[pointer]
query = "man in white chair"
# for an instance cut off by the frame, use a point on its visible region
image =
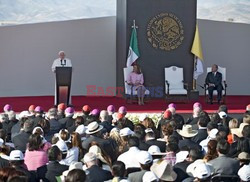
(214, 82)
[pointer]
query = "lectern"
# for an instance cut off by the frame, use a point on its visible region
(63, 84)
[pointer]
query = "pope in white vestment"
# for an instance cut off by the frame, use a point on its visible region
(62, 61)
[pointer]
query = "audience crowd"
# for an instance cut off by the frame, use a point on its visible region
(98, 146)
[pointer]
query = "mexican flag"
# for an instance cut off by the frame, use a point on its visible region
(133, 52)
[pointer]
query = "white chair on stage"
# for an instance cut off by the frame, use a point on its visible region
(174, 83)
(129, 92)
(222, 70)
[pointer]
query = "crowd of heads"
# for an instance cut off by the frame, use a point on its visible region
(102, 145)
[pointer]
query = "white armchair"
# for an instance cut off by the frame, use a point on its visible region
(222, 70)
(174, 82)
(129, 92)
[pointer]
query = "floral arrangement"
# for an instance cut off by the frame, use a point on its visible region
(134, 117)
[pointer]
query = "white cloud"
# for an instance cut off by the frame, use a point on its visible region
(31, 11)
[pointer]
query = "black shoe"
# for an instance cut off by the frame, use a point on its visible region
(211, 102)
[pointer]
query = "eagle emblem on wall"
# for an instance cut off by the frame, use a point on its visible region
(165, 31)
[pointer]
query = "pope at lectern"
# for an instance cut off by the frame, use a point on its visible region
(62, 61)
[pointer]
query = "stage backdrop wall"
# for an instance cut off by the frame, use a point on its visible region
(27, 52)
(227, 44)
(165, 35)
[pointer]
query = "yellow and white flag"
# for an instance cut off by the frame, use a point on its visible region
(198, 55)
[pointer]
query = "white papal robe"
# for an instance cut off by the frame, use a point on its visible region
(58, 63)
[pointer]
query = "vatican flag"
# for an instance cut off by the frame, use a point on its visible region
(197, 51)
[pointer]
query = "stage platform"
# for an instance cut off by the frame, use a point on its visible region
(236, 104)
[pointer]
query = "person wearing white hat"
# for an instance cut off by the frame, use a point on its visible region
(149, 177)
(155, 151)
(16, 155)
(200, 170)
(223, 113)
(184, 159)
(74, 165)
(244, 173)
(238, 131)
(16, 160)
(63, 148)
(142, 117)
(94, 172)
(24, 114)
(126, 132)
(81, 130)
(181, 156)
(146, 160)
(187, 133)
(211, 136)
(164, 171)
(95, 135)
(244, 158)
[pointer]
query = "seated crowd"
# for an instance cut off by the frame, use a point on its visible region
(97, 146)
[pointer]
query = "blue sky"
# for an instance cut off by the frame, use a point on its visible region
(32, 11)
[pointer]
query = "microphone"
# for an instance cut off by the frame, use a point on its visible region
(63, 64)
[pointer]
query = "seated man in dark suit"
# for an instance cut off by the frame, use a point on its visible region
(213, 80)
(53, 169)
(224, 165)
(202, 130)
(187, 134)
(20, 140)
(95, 135)
(151, 140)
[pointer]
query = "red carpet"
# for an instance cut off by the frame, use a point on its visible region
(236, 104)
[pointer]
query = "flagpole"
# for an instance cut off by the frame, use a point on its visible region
(194, 80)
(134, 26)
(133, 52)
